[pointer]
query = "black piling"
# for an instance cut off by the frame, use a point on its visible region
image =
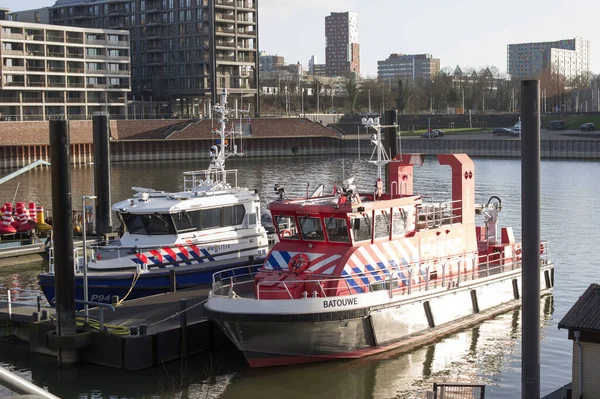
(530, 191)
(62, 226)
(102, 173)
(390, 136)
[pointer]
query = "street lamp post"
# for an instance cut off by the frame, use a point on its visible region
(369, 102)
(85, 262)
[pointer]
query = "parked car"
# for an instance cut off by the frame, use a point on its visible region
(516, 129)
(587, 127)
(502, 131)
(557, 125)
(432, 134)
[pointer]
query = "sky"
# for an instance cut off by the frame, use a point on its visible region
(469, 33)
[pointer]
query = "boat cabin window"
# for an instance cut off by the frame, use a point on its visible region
(399, 217)
(311, 228)
(150, 224)
(286, 226)
(185, 221)
(209, 218)
(361, 227)
(337, 231)
(382, 224)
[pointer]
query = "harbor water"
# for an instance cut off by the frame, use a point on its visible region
(488, 353)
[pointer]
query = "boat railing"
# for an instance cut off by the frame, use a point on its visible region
(78, 261)
(442, 273)
(195, 179)
(435, 214)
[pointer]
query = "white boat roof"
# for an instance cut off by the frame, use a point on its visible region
(164, 202)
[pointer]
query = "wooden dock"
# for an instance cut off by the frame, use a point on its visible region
(174, 325)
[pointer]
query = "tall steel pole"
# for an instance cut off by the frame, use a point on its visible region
(62, 226)
(530, 188)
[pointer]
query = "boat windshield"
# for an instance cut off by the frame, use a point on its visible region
(286, 226)
(337, 230)
(311, 228)
(150, 224)
(361, 227)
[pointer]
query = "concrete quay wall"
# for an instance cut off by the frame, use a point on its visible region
(16, 156)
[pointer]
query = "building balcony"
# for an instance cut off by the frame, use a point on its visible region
(96, 56)
(56, 69)
(14, 68)
(224, 4)
(13, 84)
(96, 72)
(96, 42)
(54, 100)
(36, 84)
(117, 57)
(244, 21)
(74, 40)
(75, 55)
(55, 39)
(120, 43)
(118, 72)
(56, 84)
(36, 68)
(12, 52)
(37, 38)
(223, 17)
(52, 54)
(246, 33)
(243, 5)
(15, 36)
(219, 31)
(97, 86)
(76, 85)
(75, 100)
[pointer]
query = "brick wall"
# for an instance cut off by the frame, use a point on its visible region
(36, 133)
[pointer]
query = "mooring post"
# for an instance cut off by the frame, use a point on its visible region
(390, 134)
(102, 173)
(62, 227)
(183, 327)
(530, 191)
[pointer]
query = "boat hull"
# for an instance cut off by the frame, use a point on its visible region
(103, 286)
(271, 339)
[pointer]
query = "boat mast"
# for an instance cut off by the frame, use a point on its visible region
(382, 157)
(218, 152)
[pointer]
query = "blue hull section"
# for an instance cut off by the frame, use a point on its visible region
(103, 286)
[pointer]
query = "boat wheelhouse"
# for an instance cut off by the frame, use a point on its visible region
(360, 272)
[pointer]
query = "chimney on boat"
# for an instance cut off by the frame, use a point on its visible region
(400, 172)
(463, 185)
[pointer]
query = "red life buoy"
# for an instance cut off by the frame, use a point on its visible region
(298, 263)
(542, 248)
(286, 233)
(518, 253)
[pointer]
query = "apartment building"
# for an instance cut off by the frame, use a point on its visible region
(408, 66)
(50, 71)
(342, 51)
(269, 62)
(183, 52)
(569, 57)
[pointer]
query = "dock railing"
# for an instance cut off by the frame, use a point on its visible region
(447, 272)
